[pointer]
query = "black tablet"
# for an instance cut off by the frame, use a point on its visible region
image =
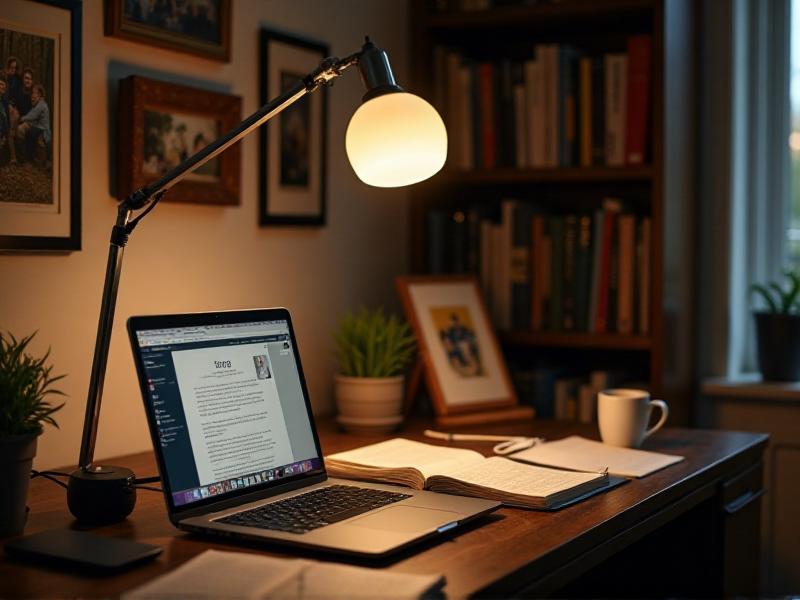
(81, 549)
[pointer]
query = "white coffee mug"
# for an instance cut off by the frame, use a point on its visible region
(623, 415)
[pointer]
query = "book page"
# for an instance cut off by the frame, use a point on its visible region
(400, 452)
(508, 476)
(580, 454)
(216, 574)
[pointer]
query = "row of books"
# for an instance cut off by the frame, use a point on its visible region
(560, 108)
(445, 6)
(555, 395)
(586, 272)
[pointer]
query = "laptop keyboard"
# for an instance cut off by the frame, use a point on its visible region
(323, 506)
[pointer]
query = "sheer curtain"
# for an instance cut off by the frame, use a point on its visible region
(744, 174)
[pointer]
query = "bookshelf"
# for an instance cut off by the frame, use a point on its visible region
(599, 341)
(658, 189)
(504, 175)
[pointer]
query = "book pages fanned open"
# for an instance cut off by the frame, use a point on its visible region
(238, 575)
(579, 454)
(462, 472)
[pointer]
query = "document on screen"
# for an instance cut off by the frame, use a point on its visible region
(235, 420)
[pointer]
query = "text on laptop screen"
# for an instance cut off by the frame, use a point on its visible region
(228, 406)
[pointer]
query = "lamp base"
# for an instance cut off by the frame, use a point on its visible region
(97, 495)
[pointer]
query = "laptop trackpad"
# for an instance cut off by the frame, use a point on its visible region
(406, 519)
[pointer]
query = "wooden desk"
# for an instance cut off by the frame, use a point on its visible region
(666, 534)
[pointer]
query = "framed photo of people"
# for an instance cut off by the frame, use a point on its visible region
(40, 125)
(292, 169)
(463, 366)
(200, 27)
(161, 125)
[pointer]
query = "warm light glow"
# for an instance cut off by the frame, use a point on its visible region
(794, 141)
(396, 139)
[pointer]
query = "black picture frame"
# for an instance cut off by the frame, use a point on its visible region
(72, 240)
(283, 178)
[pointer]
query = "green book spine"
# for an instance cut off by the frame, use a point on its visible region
(557, 273)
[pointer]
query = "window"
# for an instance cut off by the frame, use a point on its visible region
(793, 229)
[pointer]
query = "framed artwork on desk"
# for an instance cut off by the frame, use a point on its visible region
(463, 366)
(40, 125)
(292, 162)
(199, 27)
(161, 124)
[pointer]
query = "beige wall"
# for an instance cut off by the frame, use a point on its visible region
(191, 258)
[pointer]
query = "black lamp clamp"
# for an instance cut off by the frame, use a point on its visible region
(103, 493)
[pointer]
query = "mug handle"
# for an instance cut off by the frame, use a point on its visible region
(664, 414)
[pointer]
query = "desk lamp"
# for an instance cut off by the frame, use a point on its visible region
(393, 139)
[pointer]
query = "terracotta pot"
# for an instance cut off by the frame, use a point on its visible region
(16, 460)
(369, 404)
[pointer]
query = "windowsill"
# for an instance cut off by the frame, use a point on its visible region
(750, 385)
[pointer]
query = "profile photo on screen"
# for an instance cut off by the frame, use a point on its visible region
(262, 367)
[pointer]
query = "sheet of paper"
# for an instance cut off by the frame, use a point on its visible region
(399, 452)
(239, 575)
(325, 580)
(513, 477)
(580, 454)
(216, 574)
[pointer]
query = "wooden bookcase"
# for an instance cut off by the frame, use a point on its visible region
(664, 184)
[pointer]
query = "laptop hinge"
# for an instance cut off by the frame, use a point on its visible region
(253, 497)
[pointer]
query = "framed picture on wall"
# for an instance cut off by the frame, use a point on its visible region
(161, 124)
(464, 368)
(40, 125)
(292, 169)
(200, 27)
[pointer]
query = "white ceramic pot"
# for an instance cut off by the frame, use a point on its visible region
(369, 404)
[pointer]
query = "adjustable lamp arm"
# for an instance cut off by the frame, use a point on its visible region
(150, 194)
(398, 140)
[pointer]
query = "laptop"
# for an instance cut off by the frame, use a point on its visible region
(237, 448)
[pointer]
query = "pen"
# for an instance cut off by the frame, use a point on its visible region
(507, 443)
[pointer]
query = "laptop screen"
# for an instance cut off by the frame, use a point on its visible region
(227, 406)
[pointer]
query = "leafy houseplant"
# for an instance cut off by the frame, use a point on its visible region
(25, 385)
(778, 329)
(373, 351)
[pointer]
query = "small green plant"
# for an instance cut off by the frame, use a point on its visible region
(370, 344)
(25, 383)
(777, 299)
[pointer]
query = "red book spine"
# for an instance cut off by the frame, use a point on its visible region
(639, 65)
(601, 322)
(488, 133)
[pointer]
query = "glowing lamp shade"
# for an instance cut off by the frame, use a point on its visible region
(396, 139)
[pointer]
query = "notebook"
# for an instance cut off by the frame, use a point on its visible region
(216, 574)
(465, 472)
(579, 454)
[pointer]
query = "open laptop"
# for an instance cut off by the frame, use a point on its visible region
(238, 451)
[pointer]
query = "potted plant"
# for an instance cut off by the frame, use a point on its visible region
(373, 351)
(25, 384)
(778, 329)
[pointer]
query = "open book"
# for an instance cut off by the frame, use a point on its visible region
(463, 472)
(216, 574)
